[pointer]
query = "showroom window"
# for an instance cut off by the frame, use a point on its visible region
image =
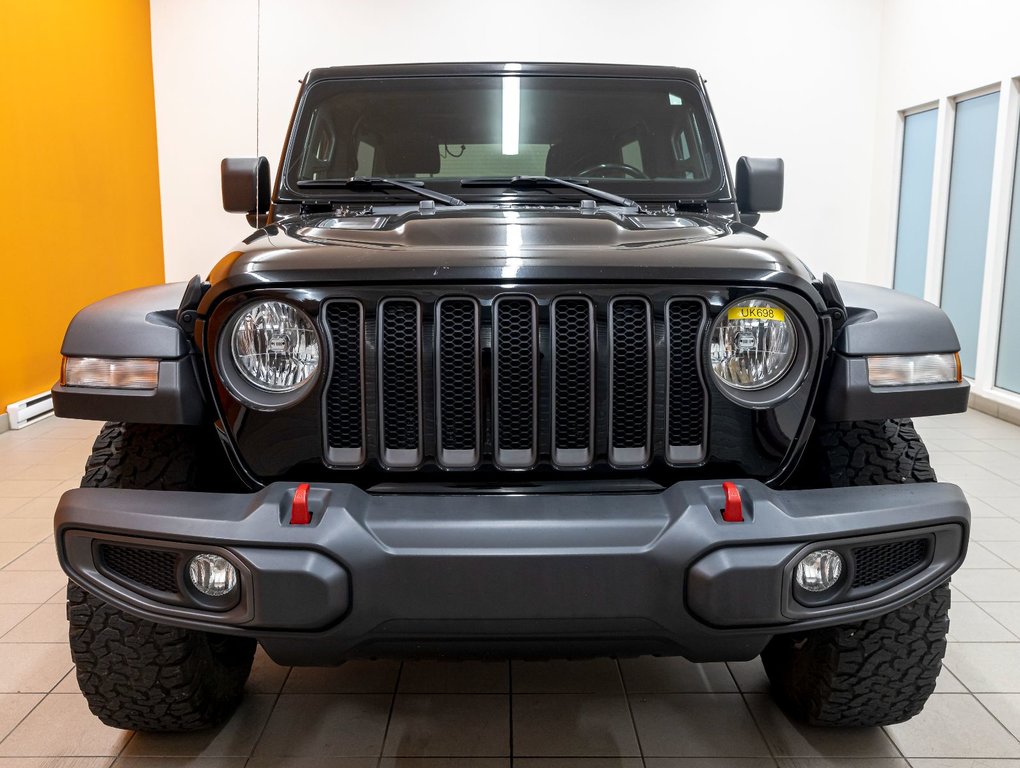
(918, 168)
(1007, 372)
(970, 189)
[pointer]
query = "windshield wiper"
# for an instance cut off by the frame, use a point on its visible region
(548, 181)
(417, 187)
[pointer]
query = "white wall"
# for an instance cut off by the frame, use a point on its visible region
(931, 49)
(932, 52)
(794, 78)
(204, 58)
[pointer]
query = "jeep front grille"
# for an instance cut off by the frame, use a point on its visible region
(515, 381)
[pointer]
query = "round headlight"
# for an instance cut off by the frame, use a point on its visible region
(754, 343)
(275, 346)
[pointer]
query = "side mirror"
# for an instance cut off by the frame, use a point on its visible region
(759, 184)
(246, 186)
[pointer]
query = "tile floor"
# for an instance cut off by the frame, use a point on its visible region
(658, 713)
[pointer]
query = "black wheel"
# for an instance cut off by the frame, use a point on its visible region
(136, 674)
(880, 671)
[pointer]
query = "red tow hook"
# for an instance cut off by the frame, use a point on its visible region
(299, 514)
(734, 510)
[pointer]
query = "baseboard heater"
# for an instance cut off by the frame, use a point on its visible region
(29, 411)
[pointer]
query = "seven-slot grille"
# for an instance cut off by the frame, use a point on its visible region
(515, 382)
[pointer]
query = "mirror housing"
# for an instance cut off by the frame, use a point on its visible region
(759, 184)
(246, 186)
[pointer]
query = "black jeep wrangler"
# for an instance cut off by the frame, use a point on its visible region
(507, 369)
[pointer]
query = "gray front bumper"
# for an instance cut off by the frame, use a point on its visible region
(549, 574)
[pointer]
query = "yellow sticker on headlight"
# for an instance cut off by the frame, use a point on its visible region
(756, 313)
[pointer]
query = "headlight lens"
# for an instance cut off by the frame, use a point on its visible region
(754, 343)
(275, 346)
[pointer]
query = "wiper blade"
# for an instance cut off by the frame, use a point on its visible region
(548, 181)
(417, 187)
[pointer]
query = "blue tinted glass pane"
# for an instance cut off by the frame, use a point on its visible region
(970, 193)
(1007, 372)
(915, 201)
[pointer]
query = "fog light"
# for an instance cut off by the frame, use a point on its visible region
(819, 570)
(212, 575)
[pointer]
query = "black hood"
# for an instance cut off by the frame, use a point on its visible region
(461, 245)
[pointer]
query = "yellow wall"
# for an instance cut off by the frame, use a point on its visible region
(79, 185)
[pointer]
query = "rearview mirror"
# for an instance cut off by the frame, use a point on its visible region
(759, 184)
(246, 186)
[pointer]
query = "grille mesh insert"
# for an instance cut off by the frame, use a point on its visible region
(344, 397)
(879, 562)
(686, 397)
(515, 381)
(153, 568)
(399, 353)
(631, 359)
(457, 336)
(573, 364)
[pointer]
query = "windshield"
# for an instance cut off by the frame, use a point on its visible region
(644, 139)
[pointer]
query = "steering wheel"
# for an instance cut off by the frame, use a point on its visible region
(628, 170)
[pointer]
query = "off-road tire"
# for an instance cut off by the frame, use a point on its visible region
(877, 672)
(845, 454)
(151, 677)
(156, 457)
(880, 671)
(136, 674)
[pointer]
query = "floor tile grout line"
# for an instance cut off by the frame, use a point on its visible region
(30, 614)
(758, 727)
(630, 710)
(992, 714)
(389, 716)
(41, 700)
(30, 711)
(265, 725)
(510, 705)
(981, 608)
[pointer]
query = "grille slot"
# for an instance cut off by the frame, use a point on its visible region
(515, 379)
(345, 433)
(630, 382)
(458, 382)
(152, 568)
(573, 381)
(685, 397)
(400, 382)
(879, 562)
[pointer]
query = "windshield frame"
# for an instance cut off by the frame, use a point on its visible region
(288, 189)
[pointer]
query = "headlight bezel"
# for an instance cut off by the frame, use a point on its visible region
(240, 384)
(783, 387)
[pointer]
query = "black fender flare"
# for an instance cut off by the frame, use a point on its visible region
(136, 323)
(882, 321)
